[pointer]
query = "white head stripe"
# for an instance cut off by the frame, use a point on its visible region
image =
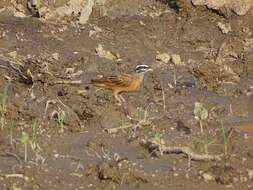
(141, 66)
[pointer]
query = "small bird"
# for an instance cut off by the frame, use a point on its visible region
(123, 82)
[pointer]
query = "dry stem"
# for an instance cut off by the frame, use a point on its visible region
(68, 82)
(151, 146)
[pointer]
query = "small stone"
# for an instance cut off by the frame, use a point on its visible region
(250, 173)
(86, 11)
(225, 28)
(176, 60)
(13, 54)
(164, 57)
(207, 177)
(19, 14)
(56, 56)
(142, 23)
(69, 70)
(104, 53)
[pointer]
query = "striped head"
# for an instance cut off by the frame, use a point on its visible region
(142, 69)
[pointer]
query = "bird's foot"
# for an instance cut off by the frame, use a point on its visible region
(121, 98)
(119, 103)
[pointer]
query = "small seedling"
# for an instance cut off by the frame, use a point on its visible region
(3, 104)
(34, 143)
(12, 126)
(175, 75)
(61, 118)
(144, 119)
(226, 135)
(202, 144)
(3, 101)
(157, 138)
(25, 140)
(200, 113)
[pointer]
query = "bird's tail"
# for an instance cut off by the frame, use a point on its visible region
(97, 82)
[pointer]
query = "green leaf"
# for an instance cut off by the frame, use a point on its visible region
(61, 117)
(25, 138)
(157, 137)
(200, 111)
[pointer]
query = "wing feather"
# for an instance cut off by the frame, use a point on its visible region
(123, 80)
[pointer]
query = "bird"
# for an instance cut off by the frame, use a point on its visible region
(123, 82)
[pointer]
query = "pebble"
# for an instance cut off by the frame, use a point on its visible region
(164, 57)
(13, 54)
(56, 56)
(250, 173)
(207, 177)
(176, 59)
(224, 27)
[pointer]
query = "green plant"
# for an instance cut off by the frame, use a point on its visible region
(61, 118)
(12, 126)
(175, 75)
(3, 101)
(157, 139)
(200, 113)
(144, 118)
(25, 140)
(3, 104)
(202, 144)
(226, 136)
(34, 143)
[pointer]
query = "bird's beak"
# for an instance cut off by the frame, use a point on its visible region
(150, 69)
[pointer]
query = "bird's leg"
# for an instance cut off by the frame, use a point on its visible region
(117, 97)
(121, 98)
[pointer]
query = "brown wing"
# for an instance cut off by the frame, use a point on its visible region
(123, 80)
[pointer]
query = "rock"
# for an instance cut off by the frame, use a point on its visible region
(207, 177)
(19, 14)
(225, 28)
(164, 57)
(18, 10)
(56, 56)
(82, 93)
(95, 31)
(86, 11)
(104, 53)
(239, 7)
(34, 3)
(250, 173)
(248, 44)
(176, 60)
(80, 8)
(69, 70)
(13, 54)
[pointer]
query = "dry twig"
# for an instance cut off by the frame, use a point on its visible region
(152, 146)
(17, 68)
(15, 175)
(67, 82)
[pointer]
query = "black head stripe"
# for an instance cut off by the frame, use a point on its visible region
(141, 68)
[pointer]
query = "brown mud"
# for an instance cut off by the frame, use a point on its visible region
(74, 147)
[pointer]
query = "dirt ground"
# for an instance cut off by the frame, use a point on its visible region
(79, 138)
